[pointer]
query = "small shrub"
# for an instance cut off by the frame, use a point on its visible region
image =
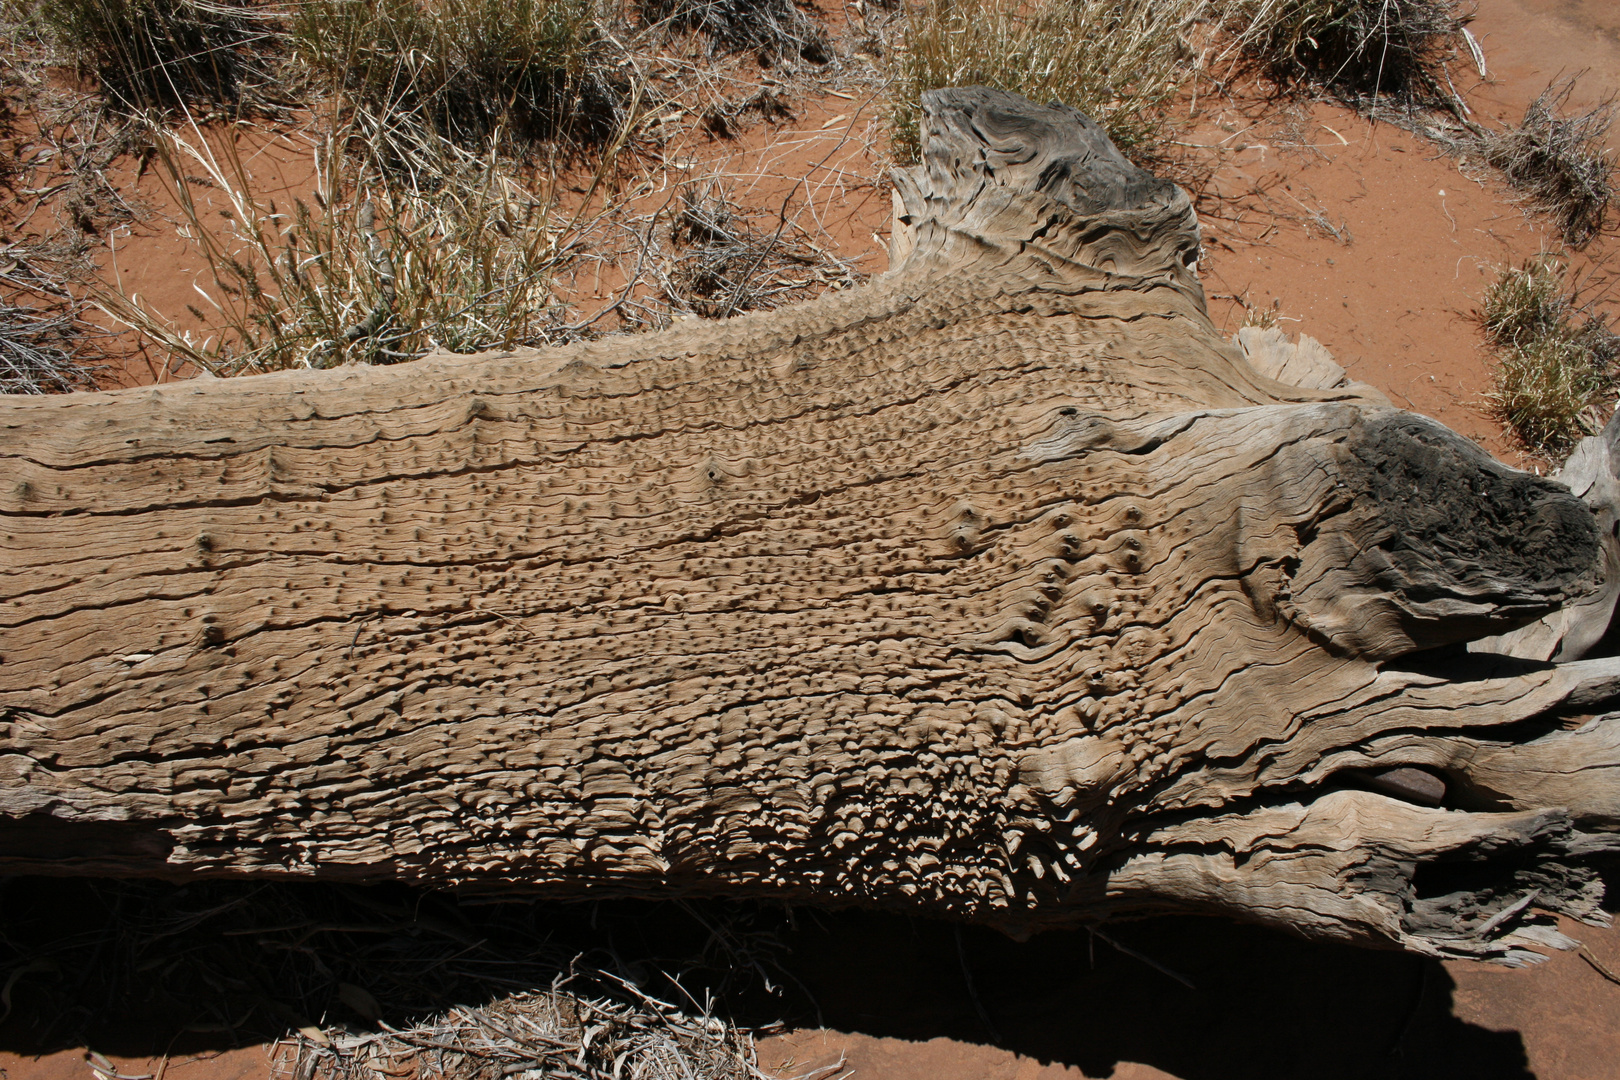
(150, 53)
(1356, 48)
(1555, 375)
(1561, 161)
(468, 70)
(1118, 61)
(775, 29)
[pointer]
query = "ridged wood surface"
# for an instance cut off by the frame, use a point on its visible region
(1002, 588)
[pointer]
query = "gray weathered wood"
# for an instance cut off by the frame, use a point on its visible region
(1003, 588)
(1572, 632)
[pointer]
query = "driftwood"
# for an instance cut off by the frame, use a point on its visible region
(1003, 589)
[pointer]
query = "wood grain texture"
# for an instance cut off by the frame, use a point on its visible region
(1581, 628)
(1003, 588)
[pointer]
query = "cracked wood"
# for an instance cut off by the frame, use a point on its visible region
(1003, 588)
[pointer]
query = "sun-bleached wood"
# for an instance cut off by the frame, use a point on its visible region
(1003, 588)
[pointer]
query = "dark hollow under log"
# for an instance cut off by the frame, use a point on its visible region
(1003, 588)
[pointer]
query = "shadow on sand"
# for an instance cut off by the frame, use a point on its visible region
(1263, 1005)
(128, 968)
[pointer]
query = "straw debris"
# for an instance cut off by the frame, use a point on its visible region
(587, 1024)
(722, 265)
(44, 351)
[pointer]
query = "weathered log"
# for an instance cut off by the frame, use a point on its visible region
(1003, 588)
(1575, 630)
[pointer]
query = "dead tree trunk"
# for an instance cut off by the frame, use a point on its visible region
(1003, 588)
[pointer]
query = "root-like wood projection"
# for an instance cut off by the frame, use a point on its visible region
(1004, 588)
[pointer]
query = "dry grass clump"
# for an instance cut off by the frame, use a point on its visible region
(1354, 48)
(1556, 376)
(468, 70)
(149, 53)
(374, 268)
(375, 271)
(43, 351)
(1562, 161)
(1118, 61)
(1543, 390)
(422, 237)
(1526, 303)
(442, 130)
(776, 30)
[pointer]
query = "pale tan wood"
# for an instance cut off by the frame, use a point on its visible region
(1305, 362)
(1004, 588)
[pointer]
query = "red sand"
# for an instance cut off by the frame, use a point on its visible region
(1424, 233)
(151, 260)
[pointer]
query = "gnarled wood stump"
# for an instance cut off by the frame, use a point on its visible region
(1003, 588)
